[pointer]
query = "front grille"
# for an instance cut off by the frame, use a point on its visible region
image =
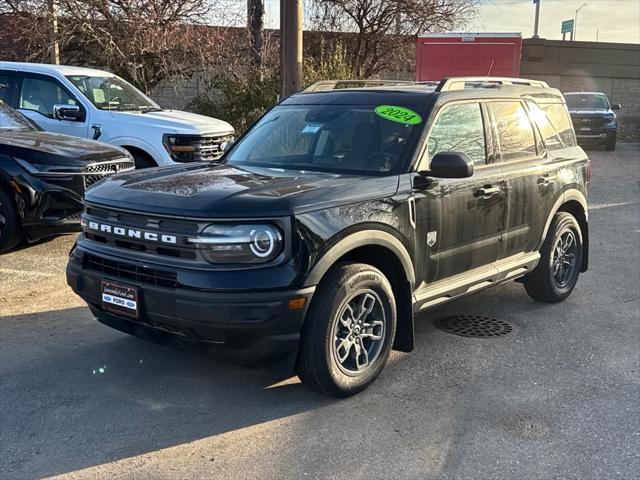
(588, 122)
(209, 148)
(129, 271)
(97, 171)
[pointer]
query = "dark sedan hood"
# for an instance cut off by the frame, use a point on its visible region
(202, 191)
(55, 149)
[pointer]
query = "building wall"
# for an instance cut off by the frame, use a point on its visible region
(611, 68)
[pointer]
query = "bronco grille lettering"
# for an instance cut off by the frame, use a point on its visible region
(132, 233)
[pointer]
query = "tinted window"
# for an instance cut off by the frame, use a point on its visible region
(561, 120)
(515, 132)
(40, 95)
(587, 101)
(551, 137)
(459, 128)
(5, 89)
(333, 138)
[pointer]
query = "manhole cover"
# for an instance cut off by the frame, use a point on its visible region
(473, 326)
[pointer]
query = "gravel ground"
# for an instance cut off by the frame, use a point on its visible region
(559, 398)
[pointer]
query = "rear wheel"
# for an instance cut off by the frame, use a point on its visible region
(10, 231)
(349, 330)
(556, 275)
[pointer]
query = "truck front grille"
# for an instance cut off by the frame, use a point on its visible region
(97, 171)
(129, 271)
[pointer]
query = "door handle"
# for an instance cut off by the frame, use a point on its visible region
(545, 180)
(488, 191)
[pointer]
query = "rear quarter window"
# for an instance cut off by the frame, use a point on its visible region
(561, 121)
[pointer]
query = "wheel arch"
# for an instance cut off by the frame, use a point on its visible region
(574, 202)
(385, 252)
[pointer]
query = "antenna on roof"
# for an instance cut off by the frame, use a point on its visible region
(491, 67)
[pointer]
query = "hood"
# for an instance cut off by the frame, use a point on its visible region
(223, 191)
(177, 121)
(55, 149)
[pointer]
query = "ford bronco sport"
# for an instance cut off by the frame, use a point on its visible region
(338, 217)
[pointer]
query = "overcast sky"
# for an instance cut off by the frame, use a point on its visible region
(616, 20)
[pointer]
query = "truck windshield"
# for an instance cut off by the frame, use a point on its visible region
(587, 101)
(113, 93)
(13, 120)
(358, 139)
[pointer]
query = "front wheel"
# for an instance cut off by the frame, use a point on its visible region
(10, 231)
(556, 275)
(349, 330)
(610, 144)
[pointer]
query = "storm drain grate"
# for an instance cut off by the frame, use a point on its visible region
(474, 326)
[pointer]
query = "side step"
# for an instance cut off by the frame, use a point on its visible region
(475, 280)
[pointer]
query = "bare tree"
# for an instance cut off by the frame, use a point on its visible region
(255, 26)
(383, 28)
(144, 41)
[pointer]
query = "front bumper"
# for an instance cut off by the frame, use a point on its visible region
(244, 327)
(595, 138)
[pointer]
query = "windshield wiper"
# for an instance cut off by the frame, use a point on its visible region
(149, 108)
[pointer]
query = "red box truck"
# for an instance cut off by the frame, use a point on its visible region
(441, 55)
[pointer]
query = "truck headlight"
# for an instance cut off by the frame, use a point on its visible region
(611, 122)
(182, 148)
(239, 243)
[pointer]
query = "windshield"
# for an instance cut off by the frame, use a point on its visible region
(587, 101)
(113, 93)
(358, 139)
(13, 120)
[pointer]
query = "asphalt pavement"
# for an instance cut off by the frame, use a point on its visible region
(558, 398)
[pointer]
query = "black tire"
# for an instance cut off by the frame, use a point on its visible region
(10, 229)
(610, 144)
(345, 289)
(554, 279)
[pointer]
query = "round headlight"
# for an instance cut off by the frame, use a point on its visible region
(232, 243)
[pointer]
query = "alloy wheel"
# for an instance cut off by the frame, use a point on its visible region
(358, 332)
(564, 257)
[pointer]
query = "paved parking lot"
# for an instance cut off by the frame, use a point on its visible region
(559, 398)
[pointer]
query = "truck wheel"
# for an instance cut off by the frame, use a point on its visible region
(610, 145)
(556, 275)
(349, 330)
(10, 231)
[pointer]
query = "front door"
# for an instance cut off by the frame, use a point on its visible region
(461, 221)
(37, 95)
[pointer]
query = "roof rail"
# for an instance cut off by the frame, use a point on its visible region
(324, 85)
(461, 83)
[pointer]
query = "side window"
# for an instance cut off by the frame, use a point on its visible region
(515, 132)
(551, 137)
(459, 128)
(5, 89)
(561, 120)
(40, 95)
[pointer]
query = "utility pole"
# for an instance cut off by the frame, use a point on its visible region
(55, 46)
(537, 20)
(290, 46)
(574, 34)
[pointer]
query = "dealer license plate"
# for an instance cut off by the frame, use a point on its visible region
(120, 299)
(585, 129)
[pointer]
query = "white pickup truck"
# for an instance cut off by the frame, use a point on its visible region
(95, 104)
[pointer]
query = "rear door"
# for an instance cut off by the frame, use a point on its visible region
(36, 97)
(530, 172)
(470, 212)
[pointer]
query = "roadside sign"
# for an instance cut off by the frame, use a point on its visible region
(567, 26)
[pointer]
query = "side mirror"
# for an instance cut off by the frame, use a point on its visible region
(68, 112)
(616, 106)
(451, 165)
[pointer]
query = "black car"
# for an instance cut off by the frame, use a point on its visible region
(594, 118)
(43, 177)
(337, 218)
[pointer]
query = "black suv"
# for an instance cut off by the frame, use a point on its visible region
(337, 218)
(43, 177)
(594, 118)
